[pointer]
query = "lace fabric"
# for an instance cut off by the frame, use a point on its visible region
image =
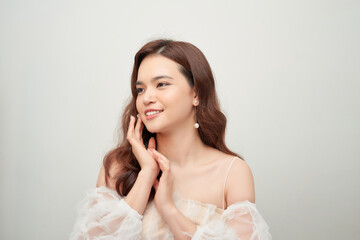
(103, 214)
(241, 220)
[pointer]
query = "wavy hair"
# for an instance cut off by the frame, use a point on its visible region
(196, 69)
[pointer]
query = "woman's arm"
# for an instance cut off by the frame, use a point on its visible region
(105, 214)
(240, 183)
(240, 220)
(239, 187)
(180, 226)
(164, 202)
(138, 196)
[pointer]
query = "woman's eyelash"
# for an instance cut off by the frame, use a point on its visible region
(162, 84)
(138, 90)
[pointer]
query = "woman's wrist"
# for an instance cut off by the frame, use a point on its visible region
(148, 174)
(168, 212)
(178, 223)
(138, 196)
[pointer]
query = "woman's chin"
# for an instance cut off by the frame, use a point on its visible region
(154, 129)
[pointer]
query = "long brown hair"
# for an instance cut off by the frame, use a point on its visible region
(212, 121)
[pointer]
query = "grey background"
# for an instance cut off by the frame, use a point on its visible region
(287, 75)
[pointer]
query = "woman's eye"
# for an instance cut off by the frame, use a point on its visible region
(138, 90)
(162, 84)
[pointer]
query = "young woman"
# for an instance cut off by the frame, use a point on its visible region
(172, 176)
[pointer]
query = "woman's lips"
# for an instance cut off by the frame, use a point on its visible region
(153, 115)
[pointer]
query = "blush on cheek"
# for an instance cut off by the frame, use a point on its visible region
(138, 109)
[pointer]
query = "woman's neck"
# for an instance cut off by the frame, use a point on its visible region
(182, 148)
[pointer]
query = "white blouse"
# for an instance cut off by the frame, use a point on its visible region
(104, 215)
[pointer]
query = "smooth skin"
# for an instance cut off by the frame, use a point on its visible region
(187, 164)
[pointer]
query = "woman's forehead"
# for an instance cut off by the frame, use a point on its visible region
(156, 65)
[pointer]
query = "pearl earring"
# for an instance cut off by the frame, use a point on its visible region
(196, 125)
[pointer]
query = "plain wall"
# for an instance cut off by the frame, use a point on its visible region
(288, 80)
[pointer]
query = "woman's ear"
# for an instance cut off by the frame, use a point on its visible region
(195, 97)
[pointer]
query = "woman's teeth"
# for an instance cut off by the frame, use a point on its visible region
(152, 113)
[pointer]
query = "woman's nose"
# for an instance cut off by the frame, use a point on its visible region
(149, 96)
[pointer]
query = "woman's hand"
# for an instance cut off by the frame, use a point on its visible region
(145, 159)
(164, 188)
(175, 219)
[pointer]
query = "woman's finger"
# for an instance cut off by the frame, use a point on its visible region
(159, 155)
(130, 132)
(141, 129)
(137, 129)
(151, 143)
(156, 184)
(152, 154)
(161, 159)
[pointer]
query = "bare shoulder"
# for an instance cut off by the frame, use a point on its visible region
(240, 183)
(113, 171)
(218, 156)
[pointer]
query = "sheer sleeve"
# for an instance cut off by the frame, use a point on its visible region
(103, 214)
(240, 220)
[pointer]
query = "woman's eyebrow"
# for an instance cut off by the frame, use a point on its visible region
(154, 79)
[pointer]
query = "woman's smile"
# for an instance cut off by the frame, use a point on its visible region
(152, 113)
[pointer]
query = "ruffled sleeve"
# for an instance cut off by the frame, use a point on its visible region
(240, 220)
(103, 214)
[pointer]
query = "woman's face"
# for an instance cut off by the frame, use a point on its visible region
(165, 100)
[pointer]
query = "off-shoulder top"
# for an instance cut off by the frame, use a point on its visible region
(103, 214)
